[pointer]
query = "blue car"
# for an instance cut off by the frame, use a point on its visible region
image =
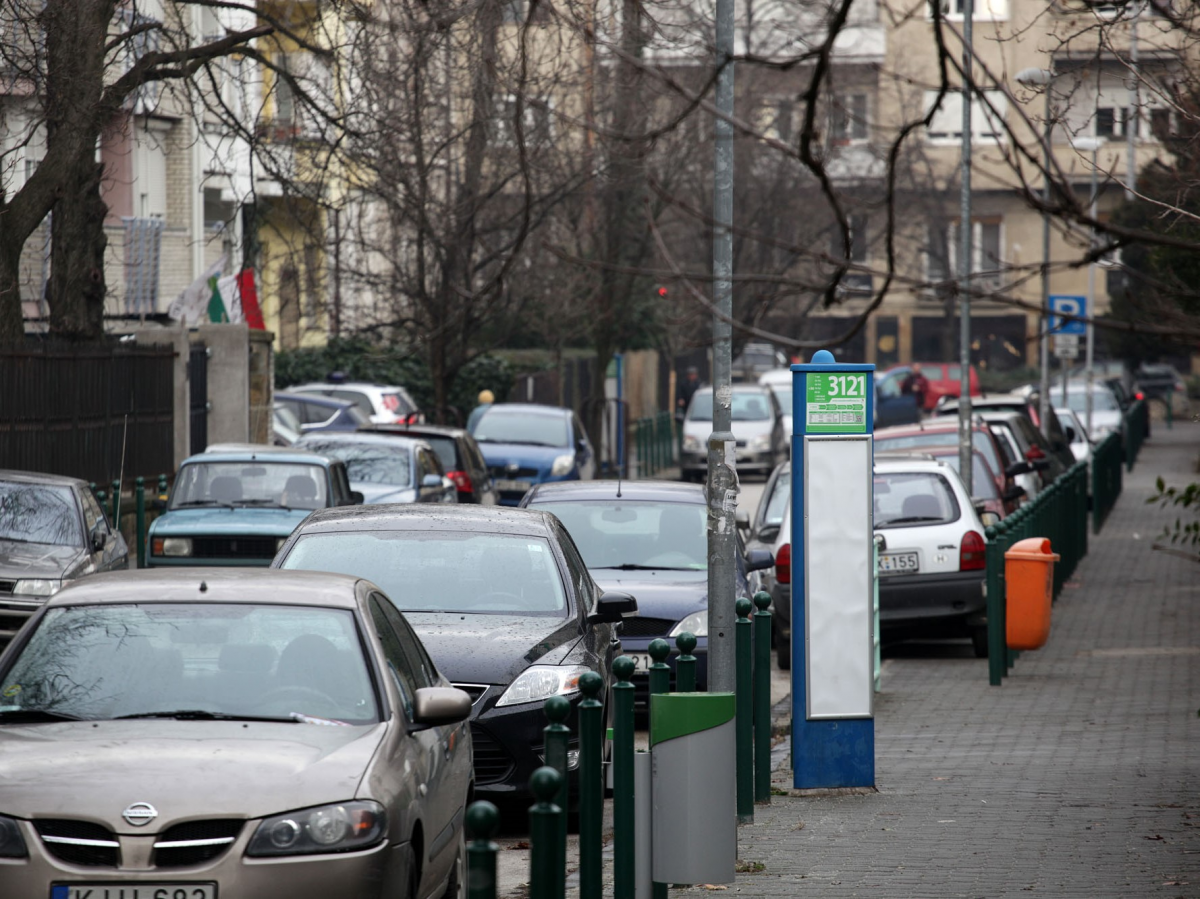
(237, 505)
(649, 540)
(525, 444)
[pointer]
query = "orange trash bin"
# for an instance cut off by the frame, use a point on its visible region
(1029, 582)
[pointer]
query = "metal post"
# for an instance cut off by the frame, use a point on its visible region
(660, 682)
(722, 478)
(1134, 103)
(745, 712)
(545, 869)
(685, 665)
(1043, 322)
(622, 761)
(762, 697)
(116, 505)
(995, 588)
(1089, 351)
(591, 786)
(483, 820)
(162, 486)
(139, 492)
(556, 735)
(965, 228)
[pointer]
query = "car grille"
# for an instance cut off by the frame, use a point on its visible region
(8, 586)
(492, 761)
(234, 547)
(521, 474)
(646, 627)
(79, 842)
(195, 842)
(475, 691)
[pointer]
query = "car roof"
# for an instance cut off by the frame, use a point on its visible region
(362, 438)
(252, 452)
(743, 387)
(340, 385)
(225, 585)
(315, 398)
(633, 491)
(429, 516)
(776, 376)
(35, 477)
(530, 408)
(897, 464)
(432, 430)
(932, 425)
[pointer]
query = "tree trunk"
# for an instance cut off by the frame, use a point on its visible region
(12, 324)
(77, 243)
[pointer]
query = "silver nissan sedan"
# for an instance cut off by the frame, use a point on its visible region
(231, 733)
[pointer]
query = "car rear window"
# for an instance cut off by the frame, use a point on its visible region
(368, 463)
(641, 534)
(500, 425)
(980, 441)
(983, 484)
(913, 499)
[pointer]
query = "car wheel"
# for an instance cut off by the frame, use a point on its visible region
(979, 641)
(414, 873)
(456, 887)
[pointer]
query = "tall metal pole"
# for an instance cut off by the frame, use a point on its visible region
(1043, 321)
(722, 476)
(965, 228)
(1131, 119)
(1091, 293)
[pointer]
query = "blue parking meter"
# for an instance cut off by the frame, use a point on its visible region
(833, 727)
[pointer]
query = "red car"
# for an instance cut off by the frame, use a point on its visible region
(945, 379)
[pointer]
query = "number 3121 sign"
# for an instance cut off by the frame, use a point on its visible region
(836, 403)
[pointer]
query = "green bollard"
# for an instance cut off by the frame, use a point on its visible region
(744, 687)
(546, 874)
(685, 665)
(557, 735)
(102, 499)
(483, 820)
(139, 492)
(622, 762)
(762, 697)
(660, 682)
(591, 786)
(116, 505)
(162, 487)
(996, 545)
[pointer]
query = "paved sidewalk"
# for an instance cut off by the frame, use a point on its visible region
(1080, 776)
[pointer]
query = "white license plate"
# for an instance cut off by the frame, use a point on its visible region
(513, 486)
(642, 660)
(898, 563)
(134, 891)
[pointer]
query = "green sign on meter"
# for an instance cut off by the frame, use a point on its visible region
(836, 403)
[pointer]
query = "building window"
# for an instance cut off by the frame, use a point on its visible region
(858, 240)
(987, 252)
(775, 120)
(987, 117)
(850, 119)
(983, 9)
(535, 121)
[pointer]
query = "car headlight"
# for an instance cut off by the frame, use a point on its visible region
(12, 844)
(36, 587)
(539, 682)
(691, 443)
(562, 465)
(342, 827)
(175, 546)
(695, 624)
(761, 443)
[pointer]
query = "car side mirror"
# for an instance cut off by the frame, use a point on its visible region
(1012, 494)
(99, 539)
(1018, 468)
(758, 559)
(1071, 437)
(742, 519)
(434, 706)
(431, 480)
(613, 606)
(356, 498)
(1041, 464)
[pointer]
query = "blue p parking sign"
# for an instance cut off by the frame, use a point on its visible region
(1067, 305)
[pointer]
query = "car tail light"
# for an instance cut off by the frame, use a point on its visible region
(1034, 453)
(972, 552)
(1139, 396)
(462, 481)
(783, 564)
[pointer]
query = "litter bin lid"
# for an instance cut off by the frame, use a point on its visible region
(1033, 549)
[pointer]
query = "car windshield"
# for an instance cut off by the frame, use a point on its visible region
(746, 406)
(913, 498)
(397, 403)
(38, 513)
(192, 660)
(979, 442)
(255, 483)
(445, 449)
(368, 463)
(983, 485)
(636, 534)
(500, 425)
(443, 571)
(1102, 401)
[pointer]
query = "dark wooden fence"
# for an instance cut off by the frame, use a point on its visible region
(64, 409)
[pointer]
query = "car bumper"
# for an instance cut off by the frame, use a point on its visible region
(697, 463)
(371, 874)
(191, 562)
(509, 745)
(933, 599)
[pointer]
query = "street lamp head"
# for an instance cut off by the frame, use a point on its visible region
(1034, 77)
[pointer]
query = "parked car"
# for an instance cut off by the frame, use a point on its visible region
(525, 444)
(1156, 380)
(1107, 417)
(771, 529)
(501, 599)
(892, 405)
(235, 505)
(1027, 405)
(1028, 444)
(380, 403)
(780, 383)
(755, 360)
(285, 426)
(986, 497)
(762, 442)
(321, 413)
(945, 379)
(387, 469)
(229, 733)
(461, 457)
(52, 531)
(648, 538)
(1081, 444)
(1004, 462)
(932, 557)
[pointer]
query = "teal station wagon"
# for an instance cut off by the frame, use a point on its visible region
(236, 505)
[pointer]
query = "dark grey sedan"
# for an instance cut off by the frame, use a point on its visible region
(52, 531)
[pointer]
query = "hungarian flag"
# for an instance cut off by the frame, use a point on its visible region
(234, 299)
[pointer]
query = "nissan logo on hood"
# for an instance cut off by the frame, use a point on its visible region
(140, 813)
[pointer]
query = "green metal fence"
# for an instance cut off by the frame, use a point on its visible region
(655, 443)
(1137, 423)
(1059, 513)
(1106, 479)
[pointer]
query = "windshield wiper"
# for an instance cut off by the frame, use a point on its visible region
(203, 502)
(15, 716)
(909, 520)
(203, 715)
(261, 502)
(518, 442)
(633, 566)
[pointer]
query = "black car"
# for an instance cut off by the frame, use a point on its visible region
(321, 413)
(648, 538)
(501, 600)
(460, 455)
(52, 531)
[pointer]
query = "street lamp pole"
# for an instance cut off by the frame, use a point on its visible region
(965, 458)
(1043, 78)
(1094, 144)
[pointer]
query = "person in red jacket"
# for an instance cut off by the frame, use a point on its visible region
(915, 384)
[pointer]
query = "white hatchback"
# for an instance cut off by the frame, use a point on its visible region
(384, 404)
